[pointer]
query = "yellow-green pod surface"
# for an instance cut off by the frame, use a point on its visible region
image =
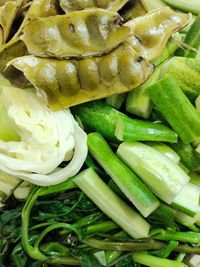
(7, 16)
(71, 82)
(151, 32)
(75, 5)
(38, 9)
(42, 9)
(11, 50)
(78, 34)
(133, 10)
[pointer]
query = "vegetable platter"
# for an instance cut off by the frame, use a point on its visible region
(100, 133)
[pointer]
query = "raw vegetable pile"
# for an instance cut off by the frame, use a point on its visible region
(99, 133)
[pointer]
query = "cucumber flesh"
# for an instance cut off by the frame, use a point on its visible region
(166, 150)
(97, 190)
(163, 176)
(187, 200)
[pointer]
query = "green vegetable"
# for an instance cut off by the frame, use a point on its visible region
(166, 150)
(187, 220)
(192, 40)
(184, 5)
(135, 245)
(34, 251)
(187, 200)
(189, 237)
(152, 261)
(128, 129)
(114, 125)
(118, 210)
(169, 50)
(110, 256)
(128, 182)
(195, 178)
(163, 216)
(197, 103)
(164, 177)
(116, 101)
(99, 117)
(138, 102)
(176, 109)
(189, 157)
(103, 227)
(186, 73)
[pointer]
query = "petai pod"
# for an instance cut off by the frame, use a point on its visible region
(71, 82)
(77, 34)
(11, 50)
(8, 13)
(75, 5)
(151, 32)
(38, 9)
(133, 10)
(42, 9)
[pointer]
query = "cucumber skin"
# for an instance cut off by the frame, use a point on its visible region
(176, 109)
(133, 188)
(91, 115)
(192, 38)
(186, 73)
(97, 116)
(189, 157)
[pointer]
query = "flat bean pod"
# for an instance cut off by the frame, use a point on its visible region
(151, 32)
(78, 34)
(71, 82)
(75, 5)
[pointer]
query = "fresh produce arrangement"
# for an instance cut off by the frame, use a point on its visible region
(100, 133)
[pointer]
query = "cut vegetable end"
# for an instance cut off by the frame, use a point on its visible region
(138, 102)
(90, 183)
(128, 129)
(187, 200)
(119, 130)
(116, 101)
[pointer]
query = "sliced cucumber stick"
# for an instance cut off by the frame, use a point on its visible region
(163, 176)
(187, 200)
(115, 208)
